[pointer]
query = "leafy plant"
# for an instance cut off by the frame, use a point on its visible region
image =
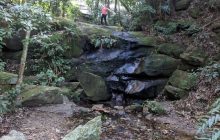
(7, 100)
(2, 65)
(211, 71)
(154, 107)
(49, 78)
(207, 129)
(51, 53)
(104, 42)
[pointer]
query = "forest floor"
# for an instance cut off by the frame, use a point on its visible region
(53, 122)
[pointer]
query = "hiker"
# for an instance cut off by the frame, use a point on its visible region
(104, 14)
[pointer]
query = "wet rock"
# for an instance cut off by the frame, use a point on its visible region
(90, 131)
(145, 89)
(105, 62)
(32, 96)
(179, 84)
(94, 86)
(138, 38)
(118, 99)
(182, 4)
(14, 135)
(173, 50)
(129, 68)
(8, 78)
(194, 57)
(160, 65)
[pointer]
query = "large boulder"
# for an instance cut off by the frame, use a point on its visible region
(195, 57)
(171, 49)
(160, 65)
(90, 131)
(32, 95)
(94, 86)
(182, 4)
(179, 84)
(8, 78)
(14, 135)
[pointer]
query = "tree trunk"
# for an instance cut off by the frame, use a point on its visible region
(96, 8)
(23, 59)
(116, 3)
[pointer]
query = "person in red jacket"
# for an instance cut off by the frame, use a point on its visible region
(104, 14)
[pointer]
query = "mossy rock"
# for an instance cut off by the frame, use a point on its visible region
(92, 31)
(32, 95)
(179, 84)
(195, 57)
(94, 86)
(90, 131)
(144, 40)
(183, 80)
(160, 65)
(8, 78)
(175, 93)
(173, 50)
(182, 4)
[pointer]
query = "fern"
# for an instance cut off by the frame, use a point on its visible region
(207, 129)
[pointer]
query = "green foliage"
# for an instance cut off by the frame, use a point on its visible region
(2, 65)
(104, 42)
(207, 129)
(166, 27)
(49, 78)
(211, 71)
(51, 53)
(154, 107)
(7, 100)
(141, 15)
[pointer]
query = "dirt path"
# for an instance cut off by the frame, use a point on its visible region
(54, 122)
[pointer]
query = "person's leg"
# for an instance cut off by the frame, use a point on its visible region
(102, 19)
(105, 19)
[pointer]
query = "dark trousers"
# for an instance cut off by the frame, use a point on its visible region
(103, 17)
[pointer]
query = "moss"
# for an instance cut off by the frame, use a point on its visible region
(183, 80)
(145, 40)
(8, 78)
(94, 86)
(195, 57)
(155, 107)
(158, 64)
(174, 92)
(39, 95)
(173, 50)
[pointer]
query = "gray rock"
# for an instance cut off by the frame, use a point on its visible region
(94, 86)
(90, 131)
(32, 96)
(14, 135)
